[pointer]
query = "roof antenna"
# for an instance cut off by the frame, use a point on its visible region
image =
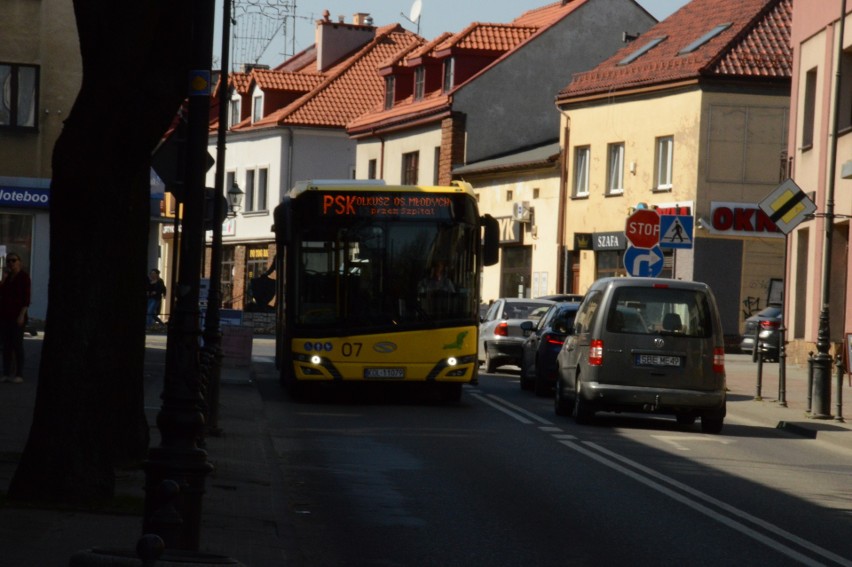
(414, 16)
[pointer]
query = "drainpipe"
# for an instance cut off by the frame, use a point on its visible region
(561, 262)
(290, 143)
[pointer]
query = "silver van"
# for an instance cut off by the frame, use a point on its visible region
(645, 345)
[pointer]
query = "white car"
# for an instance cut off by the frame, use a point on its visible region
(501, 338)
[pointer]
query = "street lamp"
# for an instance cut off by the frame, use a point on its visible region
(235, 199)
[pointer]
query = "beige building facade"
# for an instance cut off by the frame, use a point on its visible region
(709, 155)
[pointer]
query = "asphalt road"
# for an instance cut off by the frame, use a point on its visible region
(382, 477)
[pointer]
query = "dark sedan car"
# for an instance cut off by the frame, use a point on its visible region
(766, 326)
(538, 362)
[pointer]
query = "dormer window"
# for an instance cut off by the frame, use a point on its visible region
(390, 81)
(234, 112)
(419, 82)
(449, 73)
(256, 108)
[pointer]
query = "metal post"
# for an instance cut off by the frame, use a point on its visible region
(757, 396)
(212, 349)
(180, 420)
(810, 381)
(822, 361)
(838, 389)
(782, 366)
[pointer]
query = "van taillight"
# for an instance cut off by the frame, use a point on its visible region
(718, 360)
(770, 324)
(502, 329)
(596, 353)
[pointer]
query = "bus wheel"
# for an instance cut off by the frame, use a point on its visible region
(451, 391)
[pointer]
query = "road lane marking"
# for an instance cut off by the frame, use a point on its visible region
(711, 500)
(656, 480)
(677, 440)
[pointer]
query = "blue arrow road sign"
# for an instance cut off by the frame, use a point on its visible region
(643, 262)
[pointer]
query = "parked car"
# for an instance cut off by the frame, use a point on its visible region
(576, 297)
(543, 343)
(500, 334)
(766, 325)
(645, 345)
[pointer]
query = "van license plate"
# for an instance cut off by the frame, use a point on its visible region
(384, 373)
(657, 360)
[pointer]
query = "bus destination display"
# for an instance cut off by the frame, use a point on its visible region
(386, 205)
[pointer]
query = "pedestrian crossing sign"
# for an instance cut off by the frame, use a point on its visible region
(676, 231)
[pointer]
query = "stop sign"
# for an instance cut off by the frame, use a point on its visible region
(643, 228)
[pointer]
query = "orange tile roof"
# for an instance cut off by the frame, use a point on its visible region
(348, 90)
(284, 81)
(756, 45)
(498, 38)
(488, 37)
(240, 82)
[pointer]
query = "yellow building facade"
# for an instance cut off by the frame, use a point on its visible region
(708, 154)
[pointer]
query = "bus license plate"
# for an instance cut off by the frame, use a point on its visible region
(384, 373)
(657, 360)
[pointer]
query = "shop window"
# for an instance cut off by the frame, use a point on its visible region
(226, 280)
(16, 236)
(516, 271)
(372, 169)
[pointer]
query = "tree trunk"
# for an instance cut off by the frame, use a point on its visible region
(89, 411)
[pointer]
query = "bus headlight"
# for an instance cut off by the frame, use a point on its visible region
(315, 359)
(452, 361)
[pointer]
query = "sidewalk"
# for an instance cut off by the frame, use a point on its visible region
(245, 512)
(244, 516)
(744, 404)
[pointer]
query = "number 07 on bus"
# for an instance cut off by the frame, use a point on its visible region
(379, 282)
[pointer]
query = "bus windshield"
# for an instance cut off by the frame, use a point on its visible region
(385, 270)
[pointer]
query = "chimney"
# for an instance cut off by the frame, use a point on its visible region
(334, 40)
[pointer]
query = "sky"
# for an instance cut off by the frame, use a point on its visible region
(436, 17)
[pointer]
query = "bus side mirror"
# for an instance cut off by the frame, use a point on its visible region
(491, 240)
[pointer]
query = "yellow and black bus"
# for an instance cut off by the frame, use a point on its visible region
(357, 294)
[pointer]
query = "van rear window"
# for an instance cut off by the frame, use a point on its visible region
(666, 311)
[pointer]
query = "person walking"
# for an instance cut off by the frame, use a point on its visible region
(14, 303)
(156, 293)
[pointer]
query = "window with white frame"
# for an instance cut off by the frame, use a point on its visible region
(261, 203)
(19, 85)
(663, 163)
(809, 110)
(581, 171)
(449, 74)
(390, 83)
(410, 167)
(234, 112)
(615, 169)
(419, 82)
(257, 108)
(248, 198)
